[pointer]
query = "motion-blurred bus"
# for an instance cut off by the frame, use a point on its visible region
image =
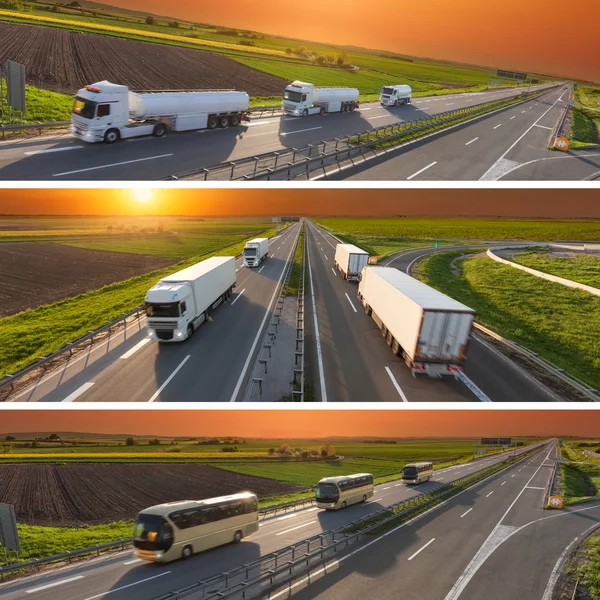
(417, 472)
(179, 529)
(333, 493)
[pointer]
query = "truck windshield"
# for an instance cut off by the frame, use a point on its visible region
(409, 472)
(387, 91)
(152, 532)
(292, 96)
(249, 251)
(162, 309)
(327, 492)
(84, 108)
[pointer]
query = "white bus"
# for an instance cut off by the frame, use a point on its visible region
(179, 529)
(417, 472)
(333, 493)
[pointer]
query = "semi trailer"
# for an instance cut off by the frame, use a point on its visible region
(255, 251)
(350, 261)
(394, 95)
(108, 112)
(429, 330)
(302, 99)
(178, 304)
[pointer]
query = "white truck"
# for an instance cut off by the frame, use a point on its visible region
(350, 260)
(255, 251)
(302, 99)
(178, 304)
(429, 330)
(108, 112)
(393, 95)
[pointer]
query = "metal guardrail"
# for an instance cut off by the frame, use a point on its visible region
(284, 565)
(302, 161)
(556, 132)
(299, 352)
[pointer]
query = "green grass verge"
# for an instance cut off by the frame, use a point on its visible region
(579, 482)
(545, 317)
(585, 128)
(294, 282)
(42, 106)
(584, 566)
(583, 268)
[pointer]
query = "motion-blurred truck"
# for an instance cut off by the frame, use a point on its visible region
(255, 251)
(350, 260)
(395, 95)
(301, 99)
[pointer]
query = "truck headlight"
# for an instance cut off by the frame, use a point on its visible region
(178, 333)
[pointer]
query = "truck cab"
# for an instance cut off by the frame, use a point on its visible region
(394, 95)
(299, 99)
(100, 111)
(171, 311)
(255, 251)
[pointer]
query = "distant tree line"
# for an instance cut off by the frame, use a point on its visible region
(324, 451)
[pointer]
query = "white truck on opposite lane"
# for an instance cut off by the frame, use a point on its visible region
(178, 304)
(108, 112)
(302, 99)
(429, 330)
(255, 251)
(393, 95)
(350, 260)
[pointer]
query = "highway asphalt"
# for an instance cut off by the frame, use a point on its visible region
(511, 144)
(493, 541)
(213, 365)
(63, 158)
(120, 576)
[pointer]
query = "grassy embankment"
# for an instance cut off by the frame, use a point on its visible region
(585, 118)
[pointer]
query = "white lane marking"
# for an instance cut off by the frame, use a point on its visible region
(133, 561)
(238, 385)
(261, 268)
(522, 112)
(239, 295)
(378, 117)
(272, 255)
(422, 548)
(352, 305)
(164, 385)
(135, 348)
(398, 484)
(255, 123)
(451, 103)
(513, 117)
(473, 140)
(363, 109)
(79, 391)
(50, 150)
(423, 169)
(531, 487)
(128, 586)
(325, 255)
(334, 271)
(51, 585)
(316, 324)
(512, 476)
(543, 127)
(127, 162)
(488, 495)
(299, 131)
(499, 125)
(464, 514)
(294, 528)
(386, 488)
(396, 385)
(503, 483)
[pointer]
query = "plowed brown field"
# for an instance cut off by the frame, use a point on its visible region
(103, 493)
(68, 60)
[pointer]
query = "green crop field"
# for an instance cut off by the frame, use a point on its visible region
(548, 318)
(583, 268)
(431, 228)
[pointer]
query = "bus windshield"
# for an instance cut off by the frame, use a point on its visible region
(327, 492)
(409, 472)
(292, 96)
(152, 531)
(162, 309)
(84, 108)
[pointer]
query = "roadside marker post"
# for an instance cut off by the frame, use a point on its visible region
(555, 502)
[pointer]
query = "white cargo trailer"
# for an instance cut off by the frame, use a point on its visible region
(255, 251)
(429, 330)
(302, 99)
(394, 95)
(350, 260)
(108, 112)
(178, 304)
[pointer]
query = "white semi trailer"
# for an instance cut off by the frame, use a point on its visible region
(255, 251)
(350, 261)
(394, 95)
(429, 330)
(108, 112)
(178, 304)
(302, 99)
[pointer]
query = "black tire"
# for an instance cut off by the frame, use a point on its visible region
(187, 552)
(223, 122)
(212, 122)
(112, 136)
(305, 113)
(159, 130)
(322, 111)
(364, 499)
(234, 120)
(352, 107)
(237, 538)
(190, 331)
(395, 348)
(389, 339)
(344, 504)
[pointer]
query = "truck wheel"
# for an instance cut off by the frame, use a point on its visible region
(223, 122)
(352, 107)
(305, 113)
(234, 120)
(389, 339)
(212, 122)
(322, 111)
(112, 136)
(159, 130)
(190, 332)
(395, 347)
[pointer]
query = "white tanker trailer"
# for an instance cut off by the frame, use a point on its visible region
(108, 112)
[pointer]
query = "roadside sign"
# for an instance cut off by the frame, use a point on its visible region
(435, 245)
(555, 502)
(575, 85)
(372, 260)
(559, 458)
(15, 85)
(9, 535)
(561, 143)
(560, 442)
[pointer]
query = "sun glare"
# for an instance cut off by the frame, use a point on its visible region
(142, 194)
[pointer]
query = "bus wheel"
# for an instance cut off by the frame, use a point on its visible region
(344, 504)
(111, 136)
(187, 552)
(364, 498)
(237, 538)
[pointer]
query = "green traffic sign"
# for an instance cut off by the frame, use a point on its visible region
(560, 442)
(435, 244)
(575, 85)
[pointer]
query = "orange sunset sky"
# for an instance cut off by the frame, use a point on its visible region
(307, 423)
(547, 37)
(273, 202)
